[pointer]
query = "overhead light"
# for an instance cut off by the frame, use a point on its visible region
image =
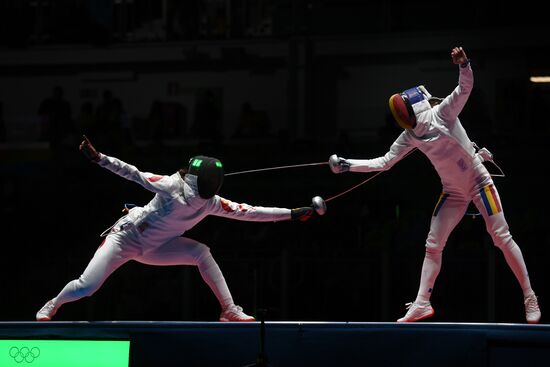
(540, 79)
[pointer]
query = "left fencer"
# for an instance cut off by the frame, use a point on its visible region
(152, 234)
(432, 126)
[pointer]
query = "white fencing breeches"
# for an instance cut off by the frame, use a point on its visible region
(448, 212)
(117, 249)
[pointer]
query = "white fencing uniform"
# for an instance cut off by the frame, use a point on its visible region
(152, 234)
(440, 136)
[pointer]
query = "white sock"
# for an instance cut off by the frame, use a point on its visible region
(212, 275)
(430, 271)
(515, 261)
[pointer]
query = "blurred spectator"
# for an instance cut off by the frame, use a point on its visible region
(105, 111)
(166, 120)
(55, 113)
(124, 131)
(252, 123)
(109, 120)
(154, 121)
(175, 119)
(85, 121)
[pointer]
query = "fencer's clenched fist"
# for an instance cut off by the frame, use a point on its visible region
(88, 150)
(338, 164)
(458, 55)
(302, 214)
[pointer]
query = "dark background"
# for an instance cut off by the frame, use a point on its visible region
(260, 84)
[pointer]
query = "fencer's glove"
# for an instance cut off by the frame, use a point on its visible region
(88, 150)
(338, 164)
(302, 214)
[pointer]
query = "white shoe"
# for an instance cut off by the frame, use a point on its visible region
(46, 312)
(417, 312)
(235, 313)
(532, 310)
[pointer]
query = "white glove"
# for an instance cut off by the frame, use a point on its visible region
(338, 164)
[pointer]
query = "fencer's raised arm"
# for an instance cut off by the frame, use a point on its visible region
(159, 184)
(162, 185)
(458, 55)
(452, 105)
(226, 208)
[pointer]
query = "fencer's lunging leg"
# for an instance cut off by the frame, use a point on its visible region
(185, 251)
(107, 258)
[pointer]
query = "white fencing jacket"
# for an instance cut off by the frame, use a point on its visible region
(441, 137)
(177, 206)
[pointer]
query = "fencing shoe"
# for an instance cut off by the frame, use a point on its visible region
(532, 310)
(417, 311)
(47, 311)
(235, 313)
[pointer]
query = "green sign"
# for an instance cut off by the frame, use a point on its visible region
(64, 353)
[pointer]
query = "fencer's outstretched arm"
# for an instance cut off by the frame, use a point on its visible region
(226, 208)
(219, 206)
(156, 183)
(399, 149)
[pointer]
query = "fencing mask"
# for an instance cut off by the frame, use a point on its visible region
(406, 106)
(209, 172)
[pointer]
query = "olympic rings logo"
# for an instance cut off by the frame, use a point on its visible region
(24, 354)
